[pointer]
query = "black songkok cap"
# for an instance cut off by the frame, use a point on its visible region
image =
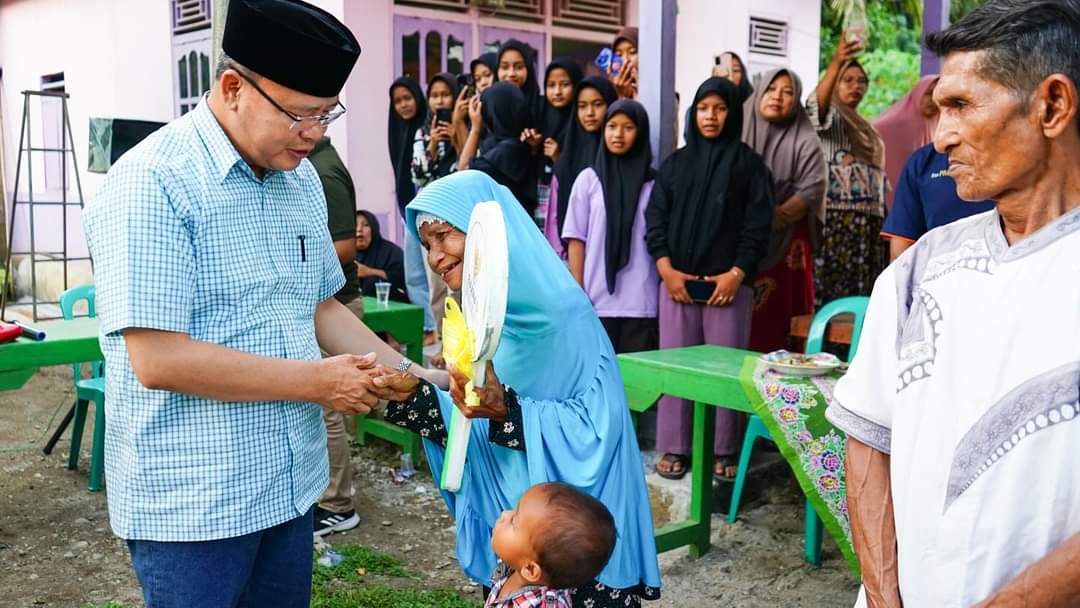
(293, 43)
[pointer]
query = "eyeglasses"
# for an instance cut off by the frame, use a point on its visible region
(300, 123)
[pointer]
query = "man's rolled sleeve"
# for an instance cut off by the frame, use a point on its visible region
(143, 254)
(864, 398)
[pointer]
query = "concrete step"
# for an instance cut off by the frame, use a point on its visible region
(769, 478)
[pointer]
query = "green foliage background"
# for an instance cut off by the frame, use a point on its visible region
(893, 50)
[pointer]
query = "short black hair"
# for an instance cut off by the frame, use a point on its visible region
(577, 542)
(1025, 41)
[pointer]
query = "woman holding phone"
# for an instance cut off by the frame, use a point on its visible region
(483, 70)
(707, 227)
(729, 65)
(434, 157)
(433, 154)
(480, 78)
(623, 73)
(852, 253)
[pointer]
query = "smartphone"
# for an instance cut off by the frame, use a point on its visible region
(616, 65)
(465, 81)
(444, 115)
(722, 68)
(700, 290)
(608, 60)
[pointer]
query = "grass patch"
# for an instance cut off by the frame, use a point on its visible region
(343, 586)
(382, 596)
(108, 604)
(356, 556)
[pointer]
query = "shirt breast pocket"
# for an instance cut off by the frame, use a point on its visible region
(307, 263)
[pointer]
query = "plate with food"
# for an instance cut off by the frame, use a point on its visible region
(798, 364)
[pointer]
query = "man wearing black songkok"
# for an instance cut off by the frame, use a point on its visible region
(215, 276)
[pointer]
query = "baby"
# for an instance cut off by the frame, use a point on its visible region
(556, 540)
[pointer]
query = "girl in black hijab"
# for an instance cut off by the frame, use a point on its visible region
(434, 155)
(516, 63)
(483, 70)
(557, 108)
(592, 97)
(556, 112)
(378, 259)
(502, 113)
(408, 111)
(605, 230)
(708, 225)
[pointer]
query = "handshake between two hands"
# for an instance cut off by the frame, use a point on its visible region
(353, 384)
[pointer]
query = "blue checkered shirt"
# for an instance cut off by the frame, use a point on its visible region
(185, 238)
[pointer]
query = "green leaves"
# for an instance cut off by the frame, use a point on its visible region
(892, 74)
(893, 52)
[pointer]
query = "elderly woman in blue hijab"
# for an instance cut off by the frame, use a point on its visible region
(553, 407)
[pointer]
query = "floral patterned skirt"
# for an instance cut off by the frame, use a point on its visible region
(851, 256)
(598, 595)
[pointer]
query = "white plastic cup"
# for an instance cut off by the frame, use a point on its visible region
(382, 293)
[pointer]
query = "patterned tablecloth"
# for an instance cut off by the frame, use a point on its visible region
(793, 409)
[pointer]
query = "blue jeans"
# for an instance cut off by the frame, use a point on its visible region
(270, 568)
(416, 278)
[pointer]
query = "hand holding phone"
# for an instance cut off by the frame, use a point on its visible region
(722, 68)
(700, 290)
(465, 82)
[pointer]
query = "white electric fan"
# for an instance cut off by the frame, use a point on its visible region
(483, 304)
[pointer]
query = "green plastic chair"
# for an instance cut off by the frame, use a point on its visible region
(756, 429)
(86, 390)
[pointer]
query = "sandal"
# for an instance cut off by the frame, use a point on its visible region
(722, 464)
(673, 460)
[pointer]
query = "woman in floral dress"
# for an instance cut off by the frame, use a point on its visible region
(852, 252)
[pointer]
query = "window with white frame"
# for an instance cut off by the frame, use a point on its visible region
(192, 45)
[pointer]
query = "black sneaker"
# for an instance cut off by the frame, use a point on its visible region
(327, 522)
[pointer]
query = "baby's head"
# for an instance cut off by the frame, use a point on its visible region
(558, 536)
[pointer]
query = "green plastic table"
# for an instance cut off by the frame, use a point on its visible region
(404, 321)
(710, 376)
(65, 342)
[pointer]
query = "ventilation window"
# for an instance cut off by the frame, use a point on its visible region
(768, 37)
(190, 16)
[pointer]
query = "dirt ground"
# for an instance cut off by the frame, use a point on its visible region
(56, 547)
